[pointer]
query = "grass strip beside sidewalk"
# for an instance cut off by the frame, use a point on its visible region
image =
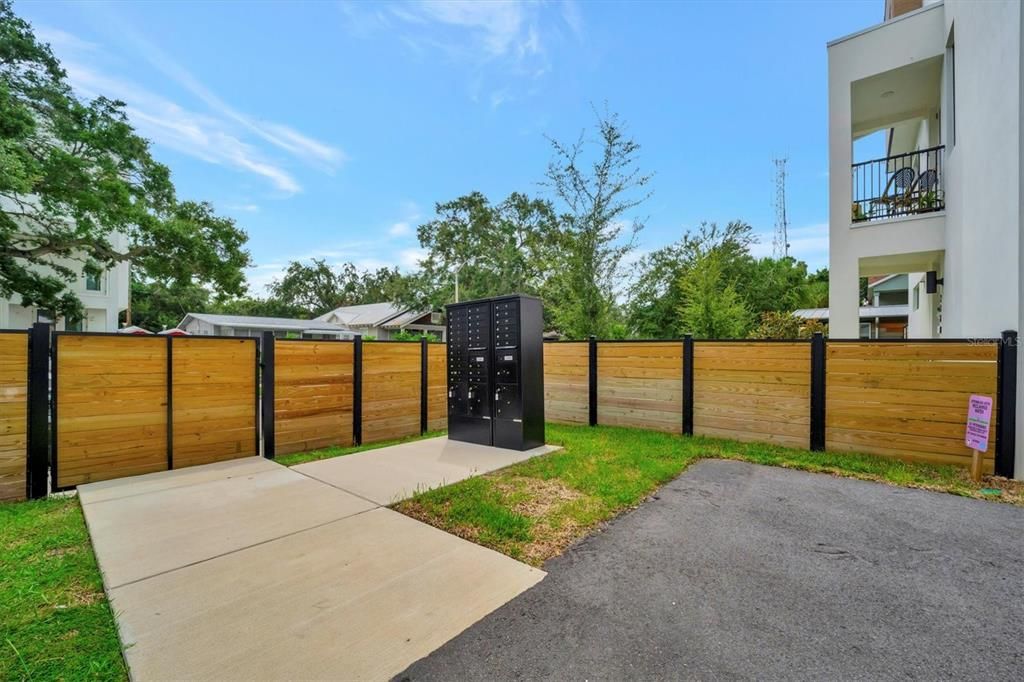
(55, 622)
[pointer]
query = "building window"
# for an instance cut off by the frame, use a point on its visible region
(917, 296)
(93, 282)
(75, 325)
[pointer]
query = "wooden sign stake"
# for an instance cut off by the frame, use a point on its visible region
(975, 465)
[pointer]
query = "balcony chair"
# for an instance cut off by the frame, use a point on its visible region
(927, 183)
(896, 190)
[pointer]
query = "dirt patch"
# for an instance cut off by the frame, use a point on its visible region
(61, 551)
(554, 509)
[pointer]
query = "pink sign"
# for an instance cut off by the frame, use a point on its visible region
(979, 416)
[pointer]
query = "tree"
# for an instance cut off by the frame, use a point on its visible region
(711, 309)
(656, 296)
(315, 288)
(80, 191)
(775, 325)
(489, 249)
(596, 194)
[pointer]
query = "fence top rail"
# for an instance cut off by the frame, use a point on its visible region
(276, 339)
(15, 331)
(157, 336)
(975, 341)
(972, 341)
(397, 341)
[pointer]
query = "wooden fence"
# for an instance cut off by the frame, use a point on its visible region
(13, 414)
(313, 397)
(125, 405)
(904, 399)
(907, 400)
(753, 391)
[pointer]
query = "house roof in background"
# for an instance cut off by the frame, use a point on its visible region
(386, 315)
(866, 311)
(253, 322)
(898, 282)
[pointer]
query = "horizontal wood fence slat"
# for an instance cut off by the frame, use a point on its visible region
(313, 394)
(13, 415)
(907, 400)
(111, 407)
(391, 390)
(566, 382)
(437, 387)
(753, 391)
(214, 400)
(640, 385)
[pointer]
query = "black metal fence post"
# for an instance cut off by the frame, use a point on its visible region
(1006, 424)
(357, 390)
(38, 460)
(267, 394)
(592, 381)
(688, 385)
(423, 385)
(817, 392)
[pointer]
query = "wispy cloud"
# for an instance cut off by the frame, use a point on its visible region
(166, 123)
(510, 39)
(400, 229)
(808, 243)
(211, 130)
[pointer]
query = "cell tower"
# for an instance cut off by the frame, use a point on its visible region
(780, 243)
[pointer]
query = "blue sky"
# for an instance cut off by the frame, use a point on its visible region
(330, 129)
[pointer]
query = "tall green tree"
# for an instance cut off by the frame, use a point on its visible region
(656, 296)
(598, 185)
(485, 249)
(711, 308)
(314, 288)
(80, 191)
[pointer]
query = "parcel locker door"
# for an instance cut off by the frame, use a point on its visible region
(478, 384)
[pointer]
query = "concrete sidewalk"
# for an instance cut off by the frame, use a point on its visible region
(391, 474)
(245, 569)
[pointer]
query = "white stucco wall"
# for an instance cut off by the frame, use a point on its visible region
(982, 267)
(914, 37)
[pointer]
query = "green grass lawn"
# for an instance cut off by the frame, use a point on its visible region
(55, 622)
(535, 509)
(338, 451)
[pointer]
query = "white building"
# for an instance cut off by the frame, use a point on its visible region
(209, 324)
(104, 298)
(940, 83)
(382, 320)
(938, 86)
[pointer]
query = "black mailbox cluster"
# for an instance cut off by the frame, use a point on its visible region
(496, 372)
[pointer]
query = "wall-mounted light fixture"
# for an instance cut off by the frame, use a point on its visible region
(932, 281)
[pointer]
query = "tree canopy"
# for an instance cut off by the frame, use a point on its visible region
(81, 192)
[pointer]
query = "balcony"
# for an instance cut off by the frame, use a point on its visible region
(898, 186)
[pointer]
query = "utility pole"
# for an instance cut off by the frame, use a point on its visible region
(780, 243)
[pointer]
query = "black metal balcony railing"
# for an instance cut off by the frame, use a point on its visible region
(899, 185)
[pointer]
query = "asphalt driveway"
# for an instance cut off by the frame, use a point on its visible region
(741, 571)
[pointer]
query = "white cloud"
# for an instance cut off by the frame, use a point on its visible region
(808, 243)
(497, 40)
(214, 132)
(164, 122)
(280, 135)
(400, 229)
(243, 208)
(409, 259)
